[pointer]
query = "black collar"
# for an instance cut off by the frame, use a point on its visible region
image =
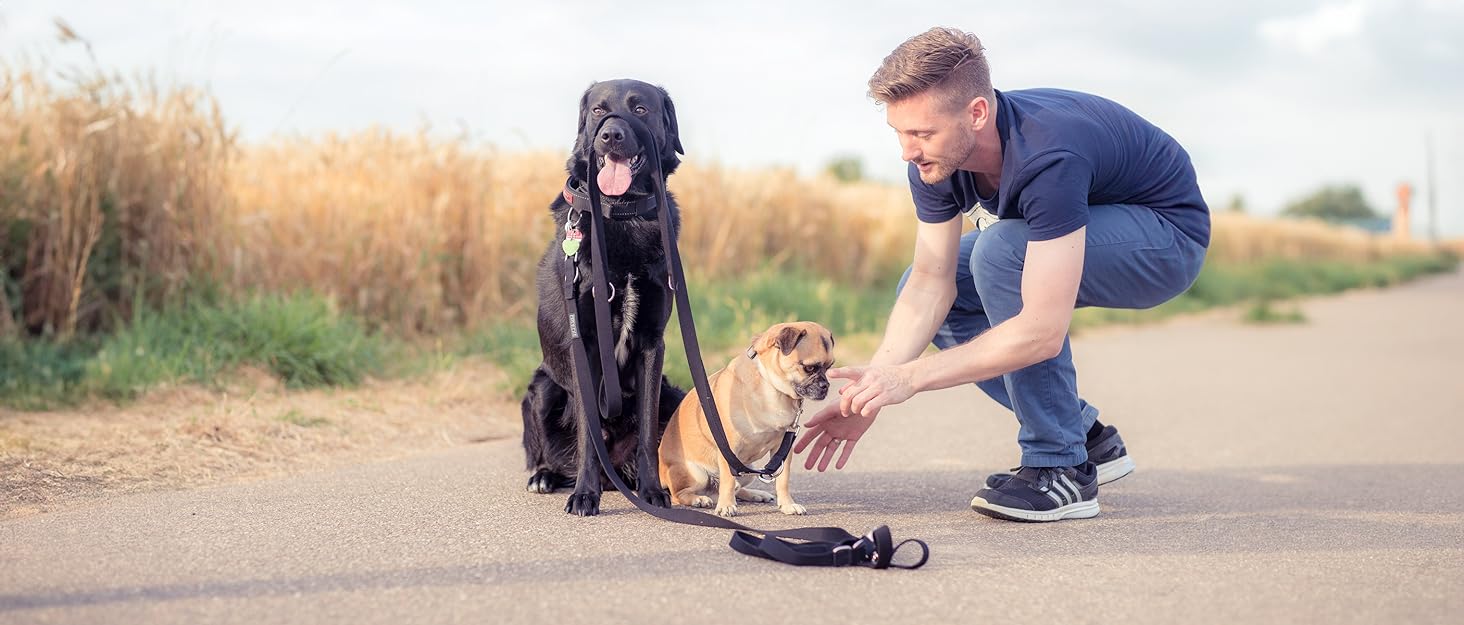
(620, 208)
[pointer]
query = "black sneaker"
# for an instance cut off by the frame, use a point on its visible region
(1042, 494)
(1106, 451)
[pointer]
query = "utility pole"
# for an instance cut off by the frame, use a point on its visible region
(1433, 215)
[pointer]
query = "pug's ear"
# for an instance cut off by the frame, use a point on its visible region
(787, 339)
(673, 132)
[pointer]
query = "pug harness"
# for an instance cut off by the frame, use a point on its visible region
(807, 546)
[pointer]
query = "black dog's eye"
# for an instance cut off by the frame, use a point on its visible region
(597, 111)
(640, 110)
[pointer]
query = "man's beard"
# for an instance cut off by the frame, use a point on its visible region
(944, 167)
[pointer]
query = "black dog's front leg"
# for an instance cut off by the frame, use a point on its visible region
(585, 501)
(647, 454)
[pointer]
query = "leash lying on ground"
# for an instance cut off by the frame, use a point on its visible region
(820, 546)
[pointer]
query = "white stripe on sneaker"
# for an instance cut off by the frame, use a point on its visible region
(1067, 492)
(1055, 498)
(1073, 486)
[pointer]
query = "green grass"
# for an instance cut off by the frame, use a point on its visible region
(298, 338)
(1264, 312)
(727, 313)
(303, 341)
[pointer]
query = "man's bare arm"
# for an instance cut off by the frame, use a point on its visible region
(926, 299)
(1050, 279)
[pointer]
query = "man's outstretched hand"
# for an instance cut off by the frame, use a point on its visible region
(870, 389)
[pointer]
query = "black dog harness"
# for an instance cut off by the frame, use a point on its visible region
(819, 546)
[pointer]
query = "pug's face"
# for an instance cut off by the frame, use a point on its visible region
(798, 355)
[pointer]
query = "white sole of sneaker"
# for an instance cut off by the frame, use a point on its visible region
(1114, 469)
(1079, 510)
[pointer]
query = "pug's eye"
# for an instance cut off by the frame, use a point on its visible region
(597, 111)
(810, 369)
(640, 110)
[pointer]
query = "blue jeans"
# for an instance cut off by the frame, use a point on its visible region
(1134, 259)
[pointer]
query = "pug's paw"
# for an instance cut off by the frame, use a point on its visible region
(793, 508)
(702, 501)
(727, 510)
(756, 496)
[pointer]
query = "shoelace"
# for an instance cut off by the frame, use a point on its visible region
(1044, 476)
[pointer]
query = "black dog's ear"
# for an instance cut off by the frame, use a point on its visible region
(584, 108)
(673, 133)
(788, 338)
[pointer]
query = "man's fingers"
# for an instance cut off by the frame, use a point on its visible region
(818, 448)
(871, 408)
(846, 373)
(803, 441)
(860, 400)
(828, 455)
(828, 412)
(843, 458)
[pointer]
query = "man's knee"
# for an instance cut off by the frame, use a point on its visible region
(1000, 253)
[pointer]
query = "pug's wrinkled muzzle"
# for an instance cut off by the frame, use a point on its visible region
(815, 390)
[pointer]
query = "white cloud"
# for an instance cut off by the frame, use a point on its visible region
(1313, 32)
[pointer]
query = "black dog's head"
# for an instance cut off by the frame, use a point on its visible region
(622, 160)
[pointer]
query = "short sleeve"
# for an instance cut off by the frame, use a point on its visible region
(934, 203)
(1054, 199)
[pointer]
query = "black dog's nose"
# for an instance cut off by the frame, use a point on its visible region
(611, 133)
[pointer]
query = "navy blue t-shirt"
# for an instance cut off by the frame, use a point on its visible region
(1063, 151)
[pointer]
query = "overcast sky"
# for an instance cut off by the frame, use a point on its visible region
(1273, 99)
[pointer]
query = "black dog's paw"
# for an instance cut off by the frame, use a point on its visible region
(546, 481)
(583, 504)
(661, 498)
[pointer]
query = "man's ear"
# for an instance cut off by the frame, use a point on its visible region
(980, 110)
(787, 339)
(673, 131)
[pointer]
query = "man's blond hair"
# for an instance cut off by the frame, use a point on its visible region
(949, 61)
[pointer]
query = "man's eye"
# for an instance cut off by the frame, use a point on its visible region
(598, 111)
(640, 110)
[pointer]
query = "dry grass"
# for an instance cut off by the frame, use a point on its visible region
(1244, 239)
(426, 235)
(109, 193)
(187, 436)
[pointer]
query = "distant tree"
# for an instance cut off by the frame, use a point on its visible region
(1332, 203)
(846, 168)
(1237, 204)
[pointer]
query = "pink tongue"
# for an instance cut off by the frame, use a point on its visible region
(614, 178)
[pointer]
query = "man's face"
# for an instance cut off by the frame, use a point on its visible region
(935, 138)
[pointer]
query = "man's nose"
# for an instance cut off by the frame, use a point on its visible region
(909, 151)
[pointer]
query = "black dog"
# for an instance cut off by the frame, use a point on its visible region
(556, 439)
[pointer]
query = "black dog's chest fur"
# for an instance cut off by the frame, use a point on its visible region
(636, 270)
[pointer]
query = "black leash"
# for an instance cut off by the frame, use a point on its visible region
(820, 546)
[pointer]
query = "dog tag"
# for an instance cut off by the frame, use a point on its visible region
(572, 239)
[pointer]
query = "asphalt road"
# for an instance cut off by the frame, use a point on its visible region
(1296, 473)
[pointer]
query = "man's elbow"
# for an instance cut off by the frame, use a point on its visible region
(1046, 340)
(1052, 346)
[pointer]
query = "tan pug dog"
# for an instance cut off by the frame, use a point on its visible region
(759, 397)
